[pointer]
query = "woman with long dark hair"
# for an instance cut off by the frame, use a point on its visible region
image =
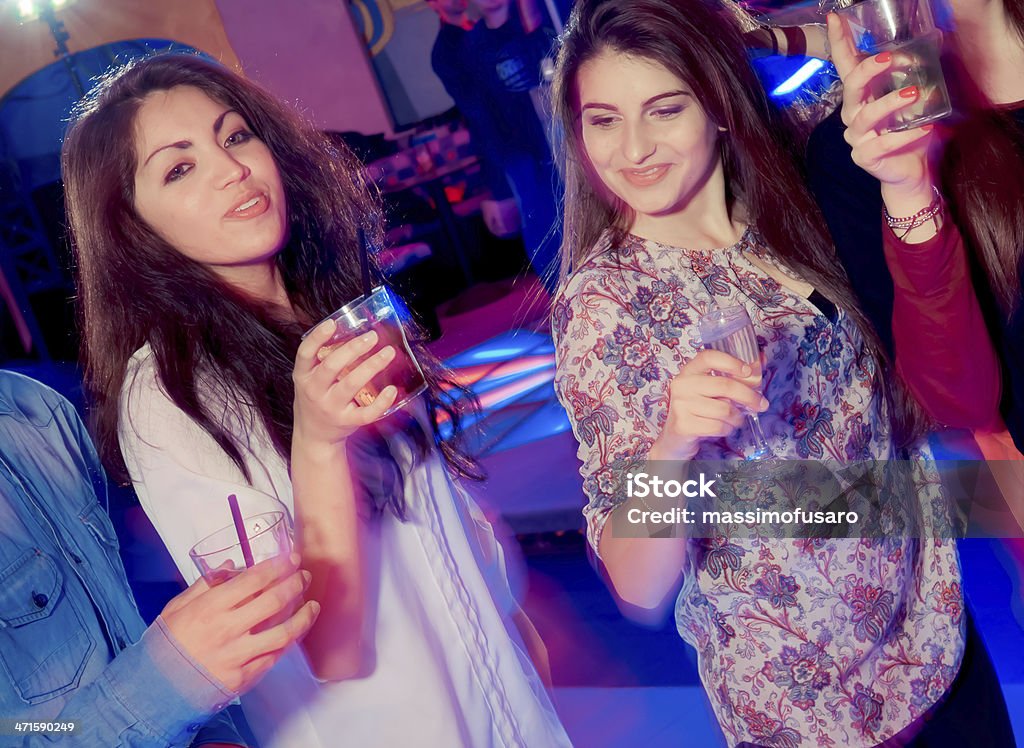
(684, 194)
(212, 227)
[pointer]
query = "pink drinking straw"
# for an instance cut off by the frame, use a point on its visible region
(243, 539)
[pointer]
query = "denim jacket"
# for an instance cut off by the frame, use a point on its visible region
(72, 643)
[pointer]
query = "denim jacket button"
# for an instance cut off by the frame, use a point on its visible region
(40, 599)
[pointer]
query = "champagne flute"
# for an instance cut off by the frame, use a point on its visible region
(729, 330)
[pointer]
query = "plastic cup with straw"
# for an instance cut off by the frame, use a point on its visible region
(260, 532)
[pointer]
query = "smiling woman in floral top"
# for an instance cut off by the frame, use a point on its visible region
(683, 195)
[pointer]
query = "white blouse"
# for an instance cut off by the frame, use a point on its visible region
(449, 667)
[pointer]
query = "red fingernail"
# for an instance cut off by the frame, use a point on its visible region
(883, 58)
(909, 92)
(927, 128)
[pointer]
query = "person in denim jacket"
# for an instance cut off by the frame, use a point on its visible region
(72, 643)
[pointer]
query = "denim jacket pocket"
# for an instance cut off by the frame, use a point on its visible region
(43, 645)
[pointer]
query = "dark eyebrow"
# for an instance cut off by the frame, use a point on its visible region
(666, 95)
(219, 122)
(652, 100)
(217, 125)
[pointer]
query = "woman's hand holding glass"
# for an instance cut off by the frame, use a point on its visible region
(899, 160)
(703, 404)
(327, 379)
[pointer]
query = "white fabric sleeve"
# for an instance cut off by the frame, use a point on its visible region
(181, 475)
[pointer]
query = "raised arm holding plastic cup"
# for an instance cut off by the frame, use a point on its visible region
(328, 528)
(899, 160)
(926, 257)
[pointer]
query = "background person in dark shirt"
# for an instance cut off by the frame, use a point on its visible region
(452, 67)
(507, 60)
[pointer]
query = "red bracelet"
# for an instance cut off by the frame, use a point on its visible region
(930, 212)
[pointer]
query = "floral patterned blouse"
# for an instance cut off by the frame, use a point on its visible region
(818, 642)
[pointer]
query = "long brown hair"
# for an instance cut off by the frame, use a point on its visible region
(134, 288)
(702, 46)
(1014, 10)
(982, 174)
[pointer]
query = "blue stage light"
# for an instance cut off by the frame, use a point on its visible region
(801, 76)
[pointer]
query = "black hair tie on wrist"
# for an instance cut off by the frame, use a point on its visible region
(796, 41)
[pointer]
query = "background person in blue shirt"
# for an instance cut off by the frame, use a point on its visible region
(452, 66)
(507, 64)
(72, 643)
